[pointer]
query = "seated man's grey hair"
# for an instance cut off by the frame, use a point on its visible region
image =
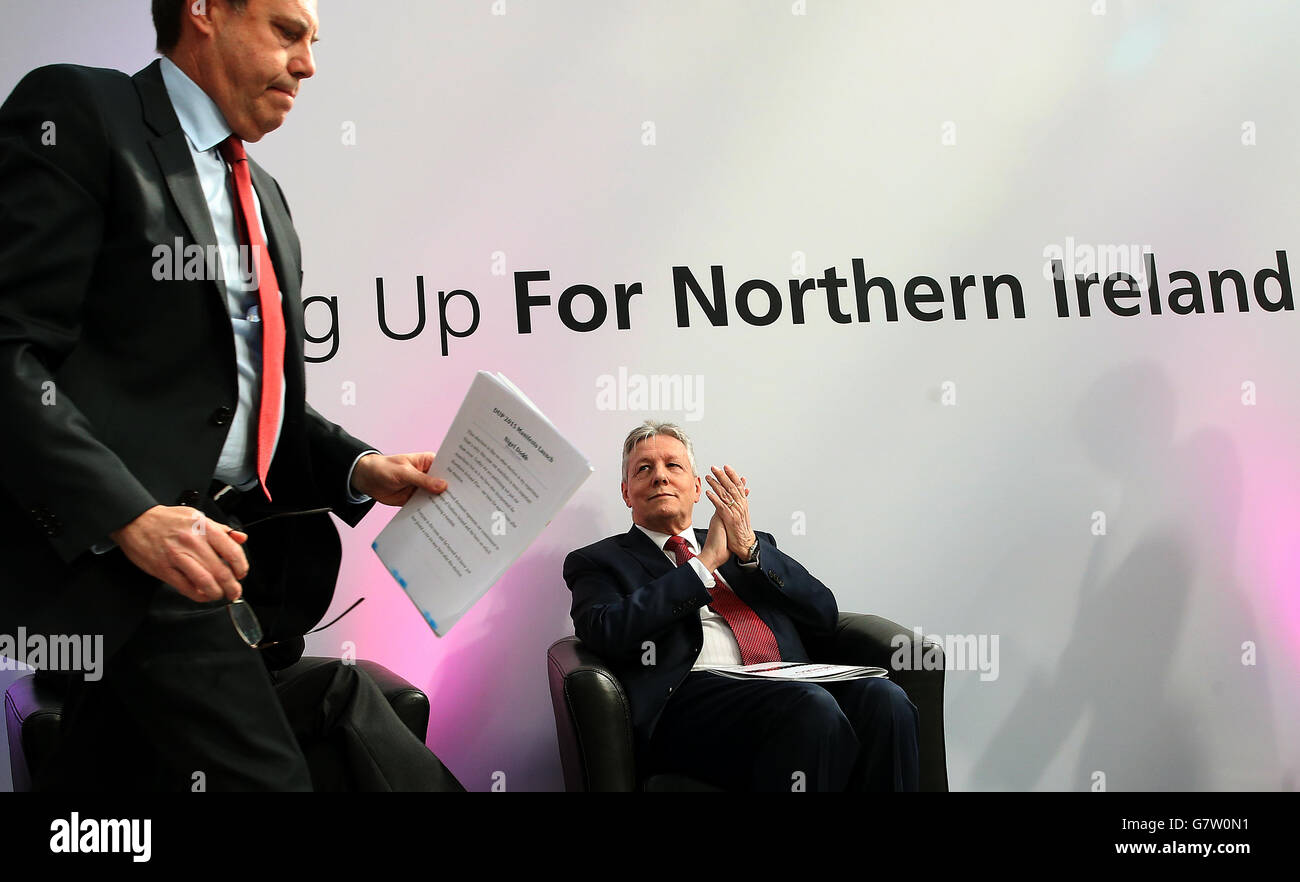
(649, 429)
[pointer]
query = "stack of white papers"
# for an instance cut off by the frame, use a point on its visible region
(803, 671)
(508, 471)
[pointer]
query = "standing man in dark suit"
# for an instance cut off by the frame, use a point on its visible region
(664, 603)
(159, 454)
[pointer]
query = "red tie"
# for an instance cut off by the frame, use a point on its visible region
(756, 640)
(268, 296)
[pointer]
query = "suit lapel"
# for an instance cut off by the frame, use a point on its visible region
(172, 151)
(280, 237)
(283, 244)
(638, 544)
(656, 563)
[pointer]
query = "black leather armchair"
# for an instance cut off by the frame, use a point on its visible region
(594, 724)
(34, 712)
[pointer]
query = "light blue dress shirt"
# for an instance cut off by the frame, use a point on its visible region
(205, 128)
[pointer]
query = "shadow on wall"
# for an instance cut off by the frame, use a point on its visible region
(1113, 676)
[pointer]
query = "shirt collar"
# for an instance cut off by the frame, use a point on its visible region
(660, 538)
(198, 113)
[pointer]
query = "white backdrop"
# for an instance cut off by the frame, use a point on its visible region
(951, 475)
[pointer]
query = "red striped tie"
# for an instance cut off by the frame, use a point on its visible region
(268, 297)
(756, 640)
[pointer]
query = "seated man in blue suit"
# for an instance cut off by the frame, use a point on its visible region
(663, 604)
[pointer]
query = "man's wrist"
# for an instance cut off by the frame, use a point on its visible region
(708, 563)
(702, 570)
(355, 496)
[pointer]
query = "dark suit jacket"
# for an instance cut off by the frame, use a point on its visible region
(118, 387)
(626, 592)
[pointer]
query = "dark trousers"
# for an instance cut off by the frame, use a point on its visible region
(187, 704)
(772, 736)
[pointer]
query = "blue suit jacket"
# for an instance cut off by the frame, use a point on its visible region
(627, 594)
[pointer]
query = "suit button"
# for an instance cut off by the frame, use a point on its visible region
(189, 497)
(221, 416)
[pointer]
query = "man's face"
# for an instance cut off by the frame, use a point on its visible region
(257, 60)
(659, 486)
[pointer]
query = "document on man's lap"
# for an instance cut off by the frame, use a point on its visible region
(798, 671)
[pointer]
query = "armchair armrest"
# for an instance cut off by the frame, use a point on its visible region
(593, 722)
